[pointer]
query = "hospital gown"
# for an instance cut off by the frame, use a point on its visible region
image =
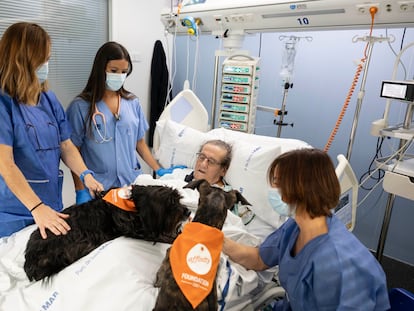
(113, 159)
(35, 134)
(334, 271)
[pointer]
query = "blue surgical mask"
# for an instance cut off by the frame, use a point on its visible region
(42, 72)
(114, 81)
(278, 205)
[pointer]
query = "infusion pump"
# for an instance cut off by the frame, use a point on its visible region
(239, 89)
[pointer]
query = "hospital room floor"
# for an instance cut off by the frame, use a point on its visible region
(399, 274)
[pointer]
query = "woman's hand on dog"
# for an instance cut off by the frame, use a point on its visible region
(93, 185)
(47, 218)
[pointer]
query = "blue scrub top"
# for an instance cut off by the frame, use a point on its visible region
(334, 271)
(111, 149)
(35, 134)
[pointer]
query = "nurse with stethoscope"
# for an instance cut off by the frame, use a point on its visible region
(109, 124)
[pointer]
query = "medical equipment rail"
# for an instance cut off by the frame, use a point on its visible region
(399, 173)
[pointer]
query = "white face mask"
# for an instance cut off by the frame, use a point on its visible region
(114, 81)
(280, 207)
(42, 72)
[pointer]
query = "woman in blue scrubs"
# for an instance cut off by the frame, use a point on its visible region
(109, 124)
(322, 266)
(34, 136)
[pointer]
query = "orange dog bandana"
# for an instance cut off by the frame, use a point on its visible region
(194, 258)
(120, 198)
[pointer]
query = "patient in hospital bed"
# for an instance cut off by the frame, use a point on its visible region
(228, 159)
(212, 162)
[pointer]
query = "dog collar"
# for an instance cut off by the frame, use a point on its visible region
(194, 259)
(120, 198)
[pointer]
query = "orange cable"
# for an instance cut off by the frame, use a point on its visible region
(373, 11)
(180, 4)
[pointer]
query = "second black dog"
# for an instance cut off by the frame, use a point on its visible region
(157, 218)
(212, 211)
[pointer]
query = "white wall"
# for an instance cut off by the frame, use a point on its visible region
(137, 25)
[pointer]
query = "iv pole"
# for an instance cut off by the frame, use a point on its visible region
(282, 111)
(371, 40)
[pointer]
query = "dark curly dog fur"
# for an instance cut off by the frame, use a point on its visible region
(158, 217)
(212, 210)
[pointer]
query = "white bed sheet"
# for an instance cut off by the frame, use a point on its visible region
(115, 276)
(119, 275)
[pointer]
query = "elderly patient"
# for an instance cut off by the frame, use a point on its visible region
(213, 161)
(322, 266)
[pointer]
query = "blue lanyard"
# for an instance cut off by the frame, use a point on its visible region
(225, 291)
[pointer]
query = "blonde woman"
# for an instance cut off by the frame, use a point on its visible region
(34, 137)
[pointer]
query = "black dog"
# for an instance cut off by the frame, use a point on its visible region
(157, 218)
(212, 211)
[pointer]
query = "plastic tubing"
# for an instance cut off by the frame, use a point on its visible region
(345, 106)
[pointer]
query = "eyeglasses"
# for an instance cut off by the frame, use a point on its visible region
(202, 157)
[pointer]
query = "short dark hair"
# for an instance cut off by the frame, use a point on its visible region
(225, 162)
(307, 177)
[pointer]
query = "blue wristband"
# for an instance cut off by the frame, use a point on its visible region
(84, 173)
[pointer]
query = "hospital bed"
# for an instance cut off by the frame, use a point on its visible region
(119, 275)
(184, 126)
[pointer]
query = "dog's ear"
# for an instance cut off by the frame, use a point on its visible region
(230, 198)
(136, 191)
(202, 185)
(194, 184)
(241, 198)
(234, 197)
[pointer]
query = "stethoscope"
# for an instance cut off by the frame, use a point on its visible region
(103, 134)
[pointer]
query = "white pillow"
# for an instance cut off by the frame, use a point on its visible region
(252, 156)
(248, 174)
(179, 144)
(286, 144)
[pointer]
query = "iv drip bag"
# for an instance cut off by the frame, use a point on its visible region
(288, 59)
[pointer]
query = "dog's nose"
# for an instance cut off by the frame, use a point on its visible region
(100, 194)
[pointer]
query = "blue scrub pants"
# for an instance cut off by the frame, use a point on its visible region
(10, 227)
